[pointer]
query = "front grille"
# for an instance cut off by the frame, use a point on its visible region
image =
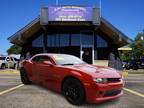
(112, 92)
(114, 80)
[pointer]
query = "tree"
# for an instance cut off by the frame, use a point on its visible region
(14, 49)
(137, 48)
(138, 45)
(125, 55)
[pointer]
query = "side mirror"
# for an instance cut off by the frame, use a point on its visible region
(48, 63)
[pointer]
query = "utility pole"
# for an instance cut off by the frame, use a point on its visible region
(142, 38)
(100, 6)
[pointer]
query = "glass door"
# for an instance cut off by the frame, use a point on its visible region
(87, 46)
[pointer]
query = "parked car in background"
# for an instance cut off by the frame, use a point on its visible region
(124, 64)
(78, 81)
(134, 64)
(141, 63)
(8, 62)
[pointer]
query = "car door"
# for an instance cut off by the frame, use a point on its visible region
(8, 62)
(12, 63)
(47, 74)
(34, 69)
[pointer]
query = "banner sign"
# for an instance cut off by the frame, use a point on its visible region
(69, 13)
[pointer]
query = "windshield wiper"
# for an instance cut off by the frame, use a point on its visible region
(67, 64)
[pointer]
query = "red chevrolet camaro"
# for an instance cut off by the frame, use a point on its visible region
(77, 80)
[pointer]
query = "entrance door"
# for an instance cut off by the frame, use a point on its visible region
(87, 46)
(87, 55)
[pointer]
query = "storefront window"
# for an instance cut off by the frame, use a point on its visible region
(38, 42)
(87, 38)
(75, 39)
(101, 42)
(64, 40)
(58, 40)
(51, 40)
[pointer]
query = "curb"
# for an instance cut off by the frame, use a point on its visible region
(135, 72)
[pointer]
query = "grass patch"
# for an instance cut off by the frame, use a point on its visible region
(9, 71)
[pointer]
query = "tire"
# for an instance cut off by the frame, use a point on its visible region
(73, 91)
(24, 77)
(15, 66)
(3, 66)
(127, 68)
(135, 68)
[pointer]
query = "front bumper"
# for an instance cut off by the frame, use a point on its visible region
(96, 93)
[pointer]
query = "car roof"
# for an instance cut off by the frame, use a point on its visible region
(4, 56)
(50, 54)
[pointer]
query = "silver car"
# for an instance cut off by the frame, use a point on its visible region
(8, 62)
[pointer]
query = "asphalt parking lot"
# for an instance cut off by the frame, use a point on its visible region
(15, 95)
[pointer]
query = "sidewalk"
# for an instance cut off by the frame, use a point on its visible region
(139, 71)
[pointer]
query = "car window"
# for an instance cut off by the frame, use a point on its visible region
(8, 59)
(2, 58)
(35, 59)
(11, 58)
(67, 60)
(16, 59)
(40, 59)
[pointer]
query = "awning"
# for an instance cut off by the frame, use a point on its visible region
(125, 48)
(21, 37)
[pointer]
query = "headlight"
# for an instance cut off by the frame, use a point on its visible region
(100, 80)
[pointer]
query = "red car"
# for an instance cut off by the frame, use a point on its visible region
(77, 80)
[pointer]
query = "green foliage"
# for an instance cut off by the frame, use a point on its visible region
(140, 36)
(125, 55)
(14, 49)
(138, 45)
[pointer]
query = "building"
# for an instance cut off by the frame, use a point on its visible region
(75, 30)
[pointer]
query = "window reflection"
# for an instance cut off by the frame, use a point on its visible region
(58, 40)
(75, 39)
(86, 39)
(51, 41)
(101, 42)
(64, 40)
(38, 42)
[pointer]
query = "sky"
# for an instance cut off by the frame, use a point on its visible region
(126, 15)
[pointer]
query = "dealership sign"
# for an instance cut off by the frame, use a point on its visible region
(69, 13)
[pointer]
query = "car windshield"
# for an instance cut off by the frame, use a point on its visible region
(16, 59)
(67, 60)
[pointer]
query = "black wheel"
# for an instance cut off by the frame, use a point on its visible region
(135, 68)
(73, 91)
(14, 66)
(127, 67)
(3, 66)
(24, 77)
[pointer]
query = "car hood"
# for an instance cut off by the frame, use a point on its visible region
(97, 71)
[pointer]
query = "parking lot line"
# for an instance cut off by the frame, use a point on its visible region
(134, 92)
(11, 89)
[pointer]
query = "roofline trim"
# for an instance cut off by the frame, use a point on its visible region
(18, 33)
(36, 20)
(122, 35)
